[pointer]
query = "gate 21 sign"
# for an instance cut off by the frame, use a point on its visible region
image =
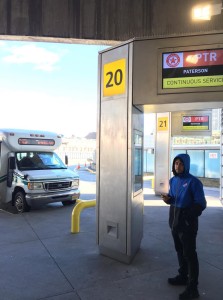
(162, 124)
(114, 78)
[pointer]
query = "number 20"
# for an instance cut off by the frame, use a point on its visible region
(116, 77)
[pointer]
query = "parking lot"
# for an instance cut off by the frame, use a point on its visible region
(41, 259)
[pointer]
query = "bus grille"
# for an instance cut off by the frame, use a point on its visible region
(50, 186)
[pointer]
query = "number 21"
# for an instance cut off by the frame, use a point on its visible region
(162, 124)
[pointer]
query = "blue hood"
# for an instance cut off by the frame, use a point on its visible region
(185, 158)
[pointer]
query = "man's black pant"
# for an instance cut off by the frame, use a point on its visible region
(185, 245)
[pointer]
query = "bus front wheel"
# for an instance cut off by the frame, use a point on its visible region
(20, 202)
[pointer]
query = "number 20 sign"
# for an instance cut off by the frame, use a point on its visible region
(114, 78)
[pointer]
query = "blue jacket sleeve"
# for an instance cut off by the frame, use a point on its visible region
(199, 203)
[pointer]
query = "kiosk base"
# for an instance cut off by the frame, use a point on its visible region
(121, 257)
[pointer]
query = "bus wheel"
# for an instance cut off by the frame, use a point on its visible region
(20, 202)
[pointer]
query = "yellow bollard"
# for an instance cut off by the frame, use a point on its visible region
(75, 217)
(152, 180)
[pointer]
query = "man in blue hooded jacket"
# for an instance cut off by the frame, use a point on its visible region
(187, 201)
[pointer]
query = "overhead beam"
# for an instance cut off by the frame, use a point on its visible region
(100, 21)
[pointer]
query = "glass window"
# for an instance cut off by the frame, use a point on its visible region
(196, 162)
(38, 161)
(138, 155)
(212, 163)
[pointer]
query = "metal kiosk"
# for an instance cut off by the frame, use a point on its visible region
(119, 157)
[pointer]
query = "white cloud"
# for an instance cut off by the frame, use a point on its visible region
(42, 111)
(2, 43)
(41, 58)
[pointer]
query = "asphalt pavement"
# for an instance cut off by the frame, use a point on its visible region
(41, 259)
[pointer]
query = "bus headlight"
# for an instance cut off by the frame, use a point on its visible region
(75, 183)
(35, 185)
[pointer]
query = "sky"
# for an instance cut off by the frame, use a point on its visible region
(49, 86)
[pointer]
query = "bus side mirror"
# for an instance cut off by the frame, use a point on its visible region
(12, 163)
(66, 160)
(11, 167)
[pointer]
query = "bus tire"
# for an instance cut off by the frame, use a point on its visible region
(20, 202)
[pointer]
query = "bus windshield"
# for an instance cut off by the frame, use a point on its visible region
(38, 161)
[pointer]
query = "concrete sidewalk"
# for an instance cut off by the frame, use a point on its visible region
(41, 259)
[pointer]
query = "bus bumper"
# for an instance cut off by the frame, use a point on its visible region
(44, 198)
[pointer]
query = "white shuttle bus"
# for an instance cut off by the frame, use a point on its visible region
(31, 172)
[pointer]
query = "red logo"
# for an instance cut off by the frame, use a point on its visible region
(186, 119)
(173, 60)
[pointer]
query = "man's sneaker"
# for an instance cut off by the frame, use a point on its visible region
(189, 293)
(178, 280)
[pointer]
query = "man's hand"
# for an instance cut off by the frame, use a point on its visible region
(165, 198)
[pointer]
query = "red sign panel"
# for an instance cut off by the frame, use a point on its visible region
(199, 119)
(196, 123)
(203, 58)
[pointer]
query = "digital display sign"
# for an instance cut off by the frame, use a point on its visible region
(37, 142)
(195, 122)
(192, 69)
